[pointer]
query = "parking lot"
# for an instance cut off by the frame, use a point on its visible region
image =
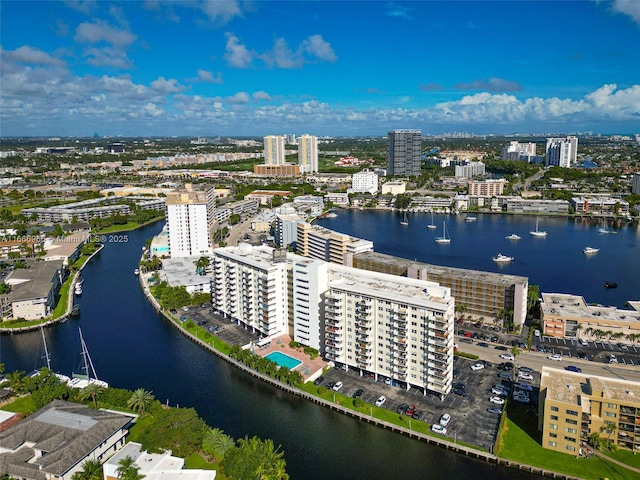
(470, 420)
(598, 351)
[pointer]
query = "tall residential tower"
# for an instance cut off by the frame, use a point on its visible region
(274, 150)
(308, 153)
(562, 152)
(404, 152)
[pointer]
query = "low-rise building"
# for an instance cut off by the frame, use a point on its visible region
(93, 208)
(33, 290)
(365, 181)
(310, 205)
(572, 406)
(470, 169)
(55, 442)
(265, 196)
(394, 188)
(318, 242)
(67, 249)
(569, 316)
(183, 272)
(341, 199)
(521, 205)
(285, 170)
(487, 188)
(600, 205)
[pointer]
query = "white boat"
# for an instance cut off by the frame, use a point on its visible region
(500, 258)
(78, 290)
(590, 250)
(513, 236)
(470, 219)
(136, 271)
(331, 215)
(537, 232)
(431, 226)
(444, 239)
(405, 221)
(81, 380)
(79, 281)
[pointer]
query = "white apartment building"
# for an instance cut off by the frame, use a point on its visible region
(323, 244)
(309, 204)
(364, 182)
(337, 198)
(394, 188)
(310, 280)
(487, 188)
(561, 152)
(519, 151)
(250, 286)
(602, 205)
(286, 227)
(308, 153)
(469, 170)
(274, 152)
(401, 328)
(189, 217)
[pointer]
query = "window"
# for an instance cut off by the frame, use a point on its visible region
(554, 409)
(569, 430)
(572, 412)
(571, 448)
(552, 444)
(554, 417)
(610, 414)
(553, 435)
(572, 422)
(570, 439)
(611, 405)
(553, 426)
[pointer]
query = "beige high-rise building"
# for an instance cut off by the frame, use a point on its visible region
(274, 152)
(308, 153)
(189, 219)
(318, 242)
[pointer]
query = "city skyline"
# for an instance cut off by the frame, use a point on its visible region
(327, 68)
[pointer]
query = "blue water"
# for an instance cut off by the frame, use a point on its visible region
(283, 360)
(556, 262)
(133, 347)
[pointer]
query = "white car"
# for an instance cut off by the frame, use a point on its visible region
(525, 376)
(477, 366)
(584, 343)
(445, 419)
(337, 386)
(438, 429)
(380, 401)
(499, 391)
(497, 400)
(536, 333)
(506, 356)
(555, 357)
(613, 359)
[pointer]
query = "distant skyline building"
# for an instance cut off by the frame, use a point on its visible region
(470, 169)
(562, 152)
(405, 147)
(274, 153)
(635, 189)
(290, 139)
(519, 151)
(308, 153)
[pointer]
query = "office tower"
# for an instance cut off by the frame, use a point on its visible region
(308, 153)
(274, 150)
(404, 152)
(562, 152)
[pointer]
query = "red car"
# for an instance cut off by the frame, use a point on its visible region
(467, 334)
(411, 409)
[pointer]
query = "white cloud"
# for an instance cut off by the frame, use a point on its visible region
(317, 47)
(83, 6)
(240, 97)
(221, 11)
(28, 54)
(312, 49)
(237, 55)
(395, 10)
(164, 86)
(492, 85)
(628, 7)
(205, 76)
(261, 95)
(88, 32)
(107, 56)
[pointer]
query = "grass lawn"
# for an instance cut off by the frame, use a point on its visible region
(125, 227)
(21, 405)
(625, 456)
(519, 441)
(207, 337)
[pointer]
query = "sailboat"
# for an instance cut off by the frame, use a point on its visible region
(605, 229)
(47, 357)
(431, 226)
(81, 380)
(538, 233)
(444, 239)
(405, 221)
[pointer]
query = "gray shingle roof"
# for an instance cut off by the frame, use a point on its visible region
(65, 432)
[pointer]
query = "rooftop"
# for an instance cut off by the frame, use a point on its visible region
(575, 306)
(34, 281)
(181, 271)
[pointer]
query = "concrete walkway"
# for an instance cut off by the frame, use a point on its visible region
(617, 462)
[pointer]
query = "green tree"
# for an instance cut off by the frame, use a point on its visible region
(255, 459)
(217, 443)
(140, 400)
(127, 470)
(16, 380)
(91, 470)
(91, 391)
(202, 264)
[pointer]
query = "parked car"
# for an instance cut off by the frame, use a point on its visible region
(318, 380)
(402, 408)
(613, 359)
(584, 343)
(459, 391)
(380, 401)
(466, 340)
(499, 391)
(387, 381)
(497, 400)
(501, 347)
(483, 344)
(358, 393)
(411, 409)
(445, 419)
(504, 376)
(536, 333)
(496, 410)
(331, 385)
(573, 368)
(555, 357)
(438, 429)
(525, 387)
(506, 356)
(337, 386)
(521, 399)
(525, 369)
(416, 415)
(477, 366)
(525, 376)
(494, 339)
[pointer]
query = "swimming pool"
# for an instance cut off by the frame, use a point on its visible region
(283, 360)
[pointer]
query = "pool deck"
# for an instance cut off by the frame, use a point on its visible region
(309, 368)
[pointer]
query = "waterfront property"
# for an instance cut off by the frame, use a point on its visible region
(189, 215)
(573, 406)
(318, 242)
(54, 442)
(569, 316)
(283, 360)
(182, 272)
(484, 294)
(33, 290)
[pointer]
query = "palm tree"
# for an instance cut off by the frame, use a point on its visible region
(91, 470)
(140, 400)
(579, 327)
(515, 351)
(217, 443)
(92, 391)
(127, 470)
(16, 380)
(202, 264)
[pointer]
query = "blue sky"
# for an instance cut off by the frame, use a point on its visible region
(207, 68)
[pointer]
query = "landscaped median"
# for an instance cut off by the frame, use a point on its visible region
(519, 441)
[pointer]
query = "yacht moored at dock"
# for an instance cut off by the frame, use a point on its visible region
(500, 258)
